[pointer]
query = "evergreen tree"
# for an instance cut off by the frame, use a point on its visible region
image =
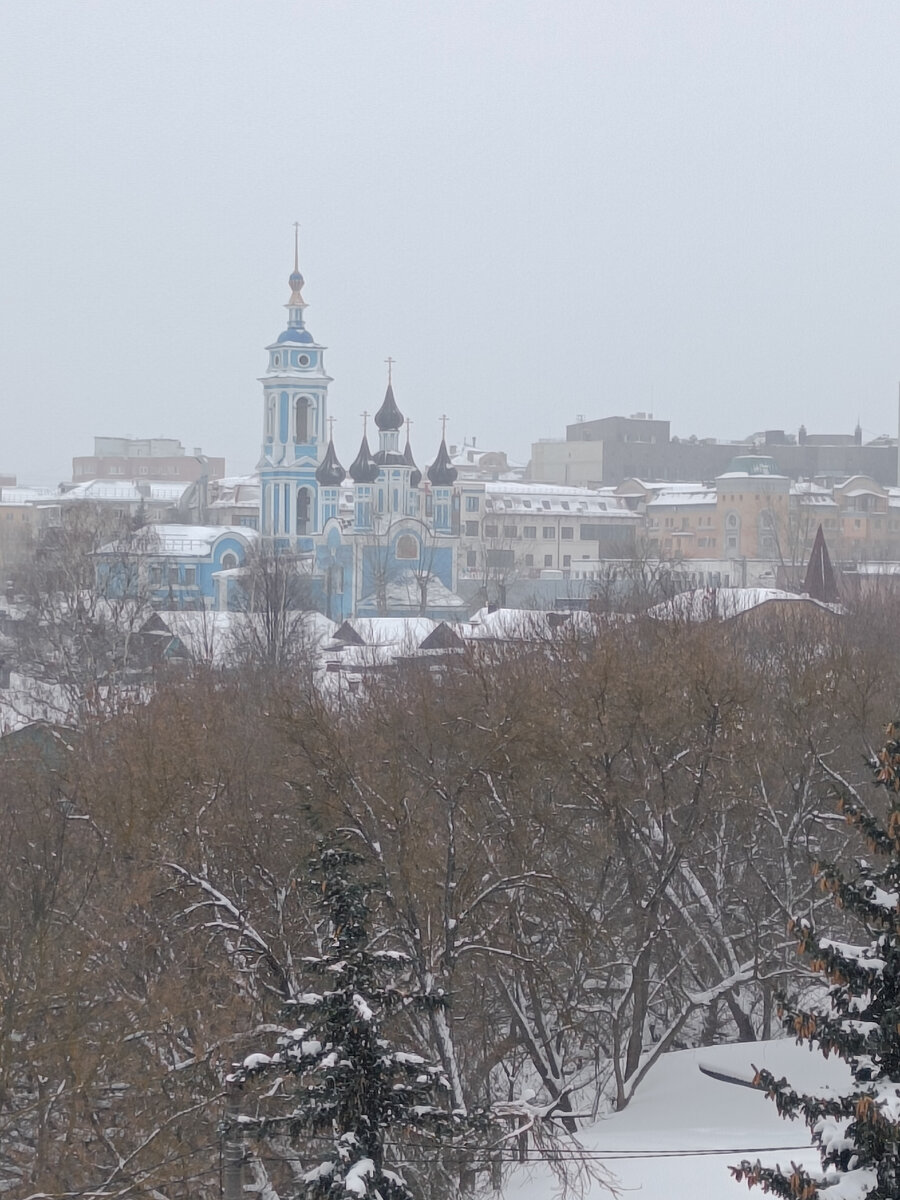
(857, 1134)
(363, 1101)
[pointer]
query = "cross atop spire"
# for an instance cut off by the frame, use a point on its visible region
(365, 416)
(296, 304)
(331, 429)
(443, 418)
(390, 365)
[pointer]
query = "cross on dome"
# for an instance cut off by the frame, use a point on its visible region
(296, 280)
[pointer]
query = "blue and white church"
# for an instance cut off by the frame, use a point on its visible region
(380, 540)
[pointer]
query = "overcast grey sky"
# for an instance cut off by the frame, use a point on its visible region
(539, 209)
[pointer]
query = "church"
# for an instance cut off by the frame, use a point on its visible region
(379, 539)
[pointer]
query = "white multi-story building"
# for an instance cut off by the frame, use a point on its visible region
(524, 529)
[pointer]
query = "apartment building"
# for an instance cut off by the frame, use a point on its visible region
(527, 529)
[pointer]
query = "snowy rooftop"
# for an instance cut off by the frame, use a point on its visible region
(28, 495)
(704, 604)
(213, 637)
(190, 541)
(126, 490)
(234, 489)
(669, 497)
(517, 624)
(540, 498)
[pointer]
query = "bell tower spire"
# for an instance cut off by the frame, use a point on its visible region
(295, 422)
(296, 304)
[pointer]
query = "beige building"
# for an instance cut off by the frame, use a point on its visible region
(568, 464)
(24, 513)
(162, 459)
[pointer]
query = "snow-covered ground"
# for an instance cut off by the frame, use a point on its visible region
(677, 1138)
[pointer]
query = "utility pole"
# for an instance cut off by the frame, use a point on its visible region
(233, 1148)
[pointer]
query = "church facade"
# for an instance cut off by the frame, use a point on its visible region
(393, 550)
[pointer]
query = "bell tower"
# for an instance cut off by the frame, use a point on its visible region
(295, 415)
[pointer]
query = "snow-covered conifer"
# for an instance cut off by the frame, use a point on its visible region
(857, 1133)
(357, 1104)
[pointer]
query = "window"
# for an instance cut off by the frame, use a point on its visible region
(471, 558)
(155, 574)
(301, 419)
(492, 531)
(529, 560)
(510, 531)
(471, 529)
(190, 576)
(303, 511)
(567, 533)
(530, 532)
(548, 560)
(173, 574)
(471, 504)
(567, 560)
(407, 546)
(593, 533)
(545, 504)
(549, 531)
(229, 561)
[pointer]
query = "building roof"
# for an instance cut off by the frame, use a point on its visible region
(126, 490)
(389, 415)
(179, 541)
(540, 499)
(442, 472)
(680, 497)
(706, 604)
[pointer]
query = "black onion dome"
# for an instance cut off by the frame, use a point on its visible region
(329, 472)
(388, 458)
(389, 415)
(364, 469)
(442, 471)
(408, 461)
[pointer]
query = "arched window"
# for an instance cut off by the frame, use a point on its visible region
(229, 561)
(303, 511)
(270, 418)
(301, 419)
(407, 546)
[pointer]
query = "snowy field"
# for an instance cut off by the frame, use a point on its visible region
(682, 1131)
